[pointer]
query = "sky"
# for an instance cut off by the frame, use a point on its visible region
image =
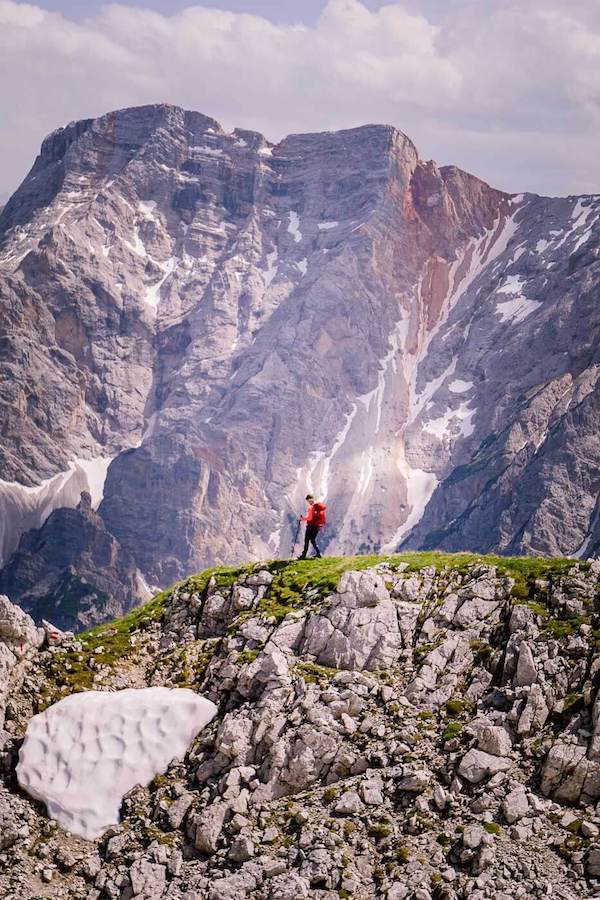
(507, 89)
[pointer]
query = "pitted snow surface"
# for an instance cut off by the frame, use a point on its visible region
(84, 753)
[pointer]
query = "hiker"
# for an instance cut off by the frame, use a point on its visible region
(315, 519)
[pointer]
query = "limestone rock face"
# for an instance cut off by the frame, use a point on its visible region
(198, 326)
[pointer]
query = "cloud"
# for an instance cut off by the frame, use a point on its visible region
(507, 90)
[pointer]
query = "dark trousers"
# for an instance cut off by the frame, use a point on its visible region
(310, 537)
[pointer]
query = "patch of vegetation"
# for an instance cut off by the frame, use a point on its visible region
(224, 577)
(313, 673)
(454, 707)
(481, 651)
(380, 829)
(246, 656)
(493, 828)
(561, 629)
(402, 854)
(570, 701)
(107, 644)
(348, 828)
(452, 730)
(424, 650)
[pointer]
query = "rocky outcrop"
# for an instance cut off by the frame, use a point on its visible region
(229, 322)
(19, 638)
(461, 766)
(73, 570)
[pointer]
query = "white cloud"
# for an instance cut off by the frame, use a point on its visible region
(509, 91)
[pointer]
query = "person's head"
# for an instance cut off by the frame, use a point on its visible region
(310, 499)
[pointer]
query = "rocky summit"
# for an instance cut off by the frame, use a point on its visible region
(411, 727)
(197, 326)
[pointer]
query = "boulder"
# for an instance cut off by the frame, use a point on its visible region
(208, 826)
(148, 879)
(358, 629)
(494, 739)
(349, 804)
(515, 805)
(18, 630)
(526, 673)
(476, 765)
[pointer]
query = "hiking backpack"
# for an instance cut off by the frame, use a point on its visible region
(318, 516)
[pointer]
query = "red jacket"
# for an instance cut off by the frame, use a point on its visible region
(315, 515)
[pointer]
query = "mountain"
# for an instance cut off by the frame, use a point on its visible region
(416, 727)
(199, 326)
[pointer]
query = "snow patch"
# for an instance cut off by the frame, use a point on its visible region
(208, 151)
(516, 310)
(366, 471)
(582, 240)
(147, 207)
(578, 219)
(96, 471)
(84, 753)
(303, 266)
(152, 296)
(149, 429)
(445, 426)
(294, 226)
(583, 549)
(419, 400)
(420, 486)
(325, 226)
(512, 285)
(138, 245)
(271, 271)
(317, 478)
(459, 387)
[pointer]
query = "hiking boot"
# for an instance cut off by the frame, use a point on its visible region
(300, 557)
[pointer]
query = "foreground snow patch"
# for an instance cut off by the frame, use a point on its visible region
(84, 753)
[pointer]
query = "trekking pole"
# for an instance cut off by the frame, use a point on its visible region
(296, 537)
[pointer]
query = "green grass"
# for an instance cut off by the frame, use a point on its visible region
(246, 656)
(451, 731)
(313, 673)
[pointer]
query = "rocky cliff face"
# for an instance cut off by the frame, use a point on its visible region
(198, 326)
(73, 571)
(404, 728)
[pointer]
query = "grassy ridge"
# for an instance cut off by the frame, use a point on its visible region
(297, 584)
